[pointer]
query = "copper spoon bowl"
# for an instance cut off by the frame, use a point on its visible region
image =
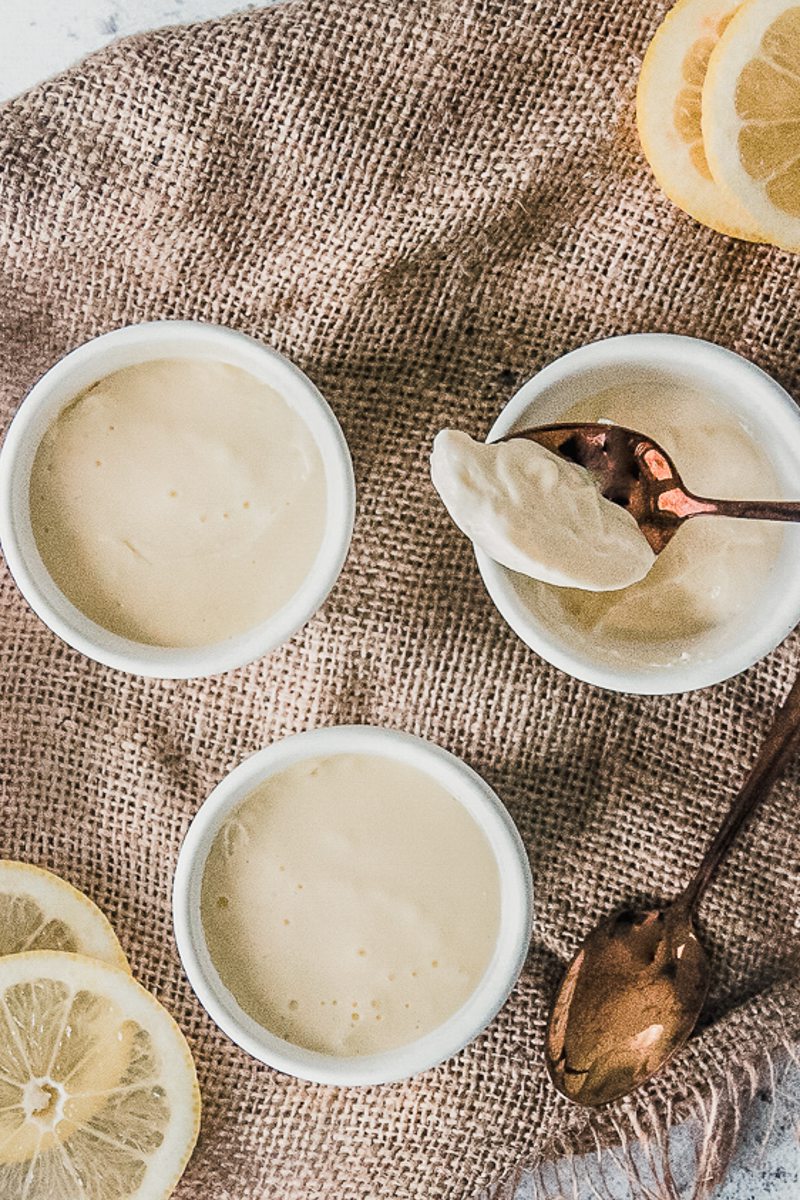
(634, 471)
(633, 993)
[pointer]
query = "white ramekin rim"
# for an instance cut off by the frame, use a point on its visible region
(86, 365)
(774, 414)
(515, 920)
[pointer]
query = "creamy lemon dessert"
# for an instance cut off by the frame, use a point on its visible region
(350, 904)
(709, 575)
(178, 502)
(705, 580)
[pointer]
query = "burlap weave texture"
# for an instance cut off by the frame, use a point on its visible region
(421, 205)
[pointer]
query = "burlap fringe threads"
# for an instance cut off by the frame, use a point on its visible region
(644, 1162)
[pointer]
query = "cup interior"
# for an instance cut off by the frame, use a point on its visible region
(128, 347)
(515, 907)
(770, 418)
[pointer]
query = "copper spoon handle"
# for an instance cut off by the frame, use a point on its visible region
(754, 510)
(778, 747)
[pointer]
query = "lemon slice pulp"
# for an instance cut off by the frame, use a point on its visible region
(40, 911)
(751, 115)
(98, 1090)
(668, 114)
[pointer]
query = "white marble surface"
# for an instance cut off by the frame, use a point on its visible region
(38, 38)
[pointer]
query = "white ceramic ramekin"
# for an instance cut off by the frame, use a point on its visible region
(773, 420)
(515, 907)
(124, 348)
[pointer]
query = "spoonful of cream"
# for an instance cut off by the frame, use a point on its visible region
(584, 505)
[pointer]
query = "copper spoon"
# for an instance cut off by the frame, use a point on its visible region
(634, 471)
(632, 994)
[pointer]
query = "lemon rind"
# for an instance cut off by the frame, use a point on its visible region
(660, 75)
(60, 900)
(721, 125)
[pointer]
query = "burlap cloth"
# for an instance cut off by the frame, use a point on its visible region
(421, 205)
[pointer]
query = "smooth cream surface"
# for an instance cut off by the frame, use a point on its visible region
(712, 571)
(538, 514)
(351, 904)
(178, 502)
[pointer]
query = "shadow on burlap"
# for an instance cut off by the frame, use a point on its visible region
(422, 206)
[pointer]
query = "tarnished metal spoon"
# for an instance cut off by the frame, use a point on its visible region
(632, 994)
(634, 471)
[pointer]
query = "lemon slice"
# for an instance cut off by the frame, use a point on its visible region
(39, 911)
(751, 115)
(668, 114)
(98, 1091)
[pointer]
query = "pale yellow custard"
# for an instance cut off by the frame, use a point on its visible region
(351, 904)
(178, 502)
(711, 573)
